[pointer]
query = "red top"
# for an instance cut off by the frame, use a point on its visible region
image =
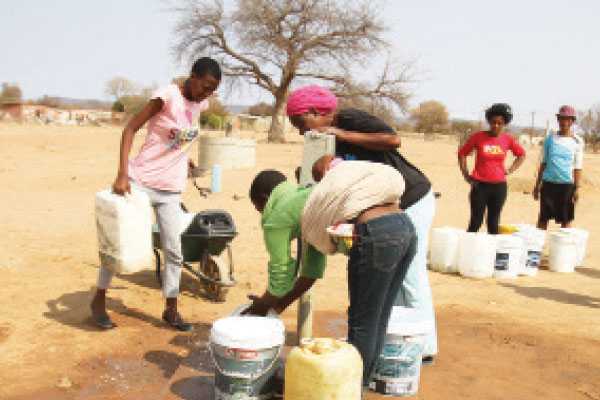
(490, 156)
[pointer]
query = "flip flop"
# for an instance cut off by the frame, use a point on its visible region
(103, 321)
(178, 323)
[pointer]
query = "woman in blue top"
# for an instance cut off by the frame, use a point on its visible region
(559, 176)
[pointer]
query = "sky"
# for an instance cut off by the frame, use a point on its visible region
(532, 54)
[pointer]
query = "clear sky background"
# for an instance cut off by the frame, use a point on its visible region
(533, 54)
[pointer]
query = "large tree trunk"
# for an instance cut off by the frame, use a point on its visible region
(276, 131)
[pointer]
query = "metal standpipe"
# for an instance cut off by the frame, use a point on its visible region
(316, 145)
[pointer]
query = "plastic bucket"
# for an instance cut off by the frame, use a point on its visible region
(443, 249)
(398, 369)
(476, 255)
(582, 242)
(563, 252)
(509, 256)
(534, 245)
(245, 351)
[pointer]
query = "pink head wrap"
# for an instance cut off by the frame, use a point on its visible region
(302, 100)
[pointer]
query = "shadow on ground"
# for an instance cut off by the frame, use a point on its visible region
(589, 272)
(558, 295)
(190, 286)
(69, 308)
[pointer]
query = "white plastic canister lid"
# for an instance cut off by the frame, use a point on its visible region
(406, 321)
(248, 333)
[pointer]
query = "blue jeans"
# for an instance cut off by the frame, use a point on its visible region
(379, 259)
(416, 291)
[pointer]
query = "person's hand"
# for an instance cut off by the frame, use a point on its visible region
(536, 192)
(258, 307)
(191, 168)
(121, 185)
(576, 195)
(331, 130)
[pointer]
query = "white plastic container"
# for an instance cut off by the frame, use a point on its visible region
(443, 249)
(124, 228)
(228, 152)
(316, 145)
(534, 246)
(583, 237)
(398, 369)
(563, 252)
(509, 256)
(476, 255)
(246, 351)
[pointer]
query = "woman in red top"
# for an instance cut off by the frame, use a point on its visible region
(488, 179)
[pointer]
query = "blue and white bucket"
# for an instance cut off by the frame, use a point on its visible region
(398, 369)
(246, 351)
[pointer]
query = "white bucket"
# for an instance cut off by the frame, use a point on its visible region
(398, 369)
(563, 252)
(443, 249)
(582, 242)
(534, 245)
(476, 255)
(246, 351)
(509, 256)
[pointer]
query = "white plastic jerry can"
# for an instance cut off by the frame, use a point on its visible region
(124, 227)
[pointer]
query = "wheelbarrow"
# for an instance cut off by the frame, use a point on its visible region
(206, 250)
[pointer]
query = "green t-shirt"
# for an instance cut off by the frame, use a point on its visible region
(281, 224)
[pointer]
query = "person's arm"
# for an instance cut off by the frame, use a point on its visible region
(519, 153)
(541, 169)
(577, 181)
(538, 181)
(282, 268)
(301, 286)
(464, 169)
(313, 268)
(577, 170)
(463, 152)
(516, 164)
(121, 184)
(379, 141)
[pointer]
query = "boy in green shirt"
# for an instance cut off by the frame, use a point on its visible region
(281, 204)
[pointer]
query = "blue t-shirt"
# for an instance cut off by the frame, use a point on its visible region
(562, 155)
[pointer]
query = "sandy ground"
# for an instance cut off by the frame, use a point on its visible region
(525, 339)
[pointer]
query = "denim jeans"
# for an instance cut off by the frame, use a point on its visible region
(383, 250)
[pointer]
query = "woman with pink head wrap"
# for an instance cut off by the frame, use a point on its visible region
(311, 107)
(362, 136)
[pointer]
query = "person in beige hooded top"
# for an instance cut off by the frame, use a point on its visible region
(384, 244)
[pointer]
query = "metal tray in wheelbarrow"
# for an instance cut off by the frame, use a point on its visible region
(210, 231)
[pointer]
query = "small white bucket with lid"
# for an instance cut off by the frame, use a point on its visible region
(534, 246)
(583, 237)
(509, 256)
(563, 252)
(398, 369)
(246, 351)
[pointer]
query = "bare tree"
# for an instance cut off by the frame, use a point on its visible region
(430, 117)
(589, 122)
(11, 92)
(119, 87)
(270, 43)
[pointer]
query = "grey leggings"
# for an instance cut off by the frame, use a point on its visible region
(167, 207)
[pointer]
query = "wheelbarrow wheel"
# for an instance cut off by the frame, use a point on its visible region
(218, 268)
